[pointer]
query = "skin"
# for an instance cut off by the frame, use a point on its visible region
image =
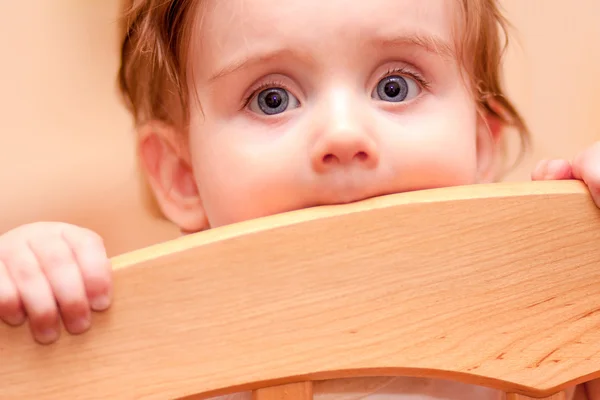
(338, 141)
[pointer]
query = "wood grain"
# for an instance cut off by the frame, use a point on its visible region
(496, 285)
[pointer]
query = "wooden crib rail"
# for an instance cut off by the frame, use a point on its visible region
(496, 285)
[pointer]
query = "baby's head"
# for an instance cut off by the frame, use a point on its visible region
(245, 108)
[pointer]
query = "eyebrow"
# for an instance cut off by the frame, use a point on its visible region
(257, 59)
(430, 43)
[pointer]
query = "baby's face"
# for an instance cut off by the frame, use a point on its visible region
(312, 102)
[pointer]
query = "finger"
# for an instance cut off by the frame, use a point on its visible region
(36, 294)
(547, 170)
(60, 267)
(89, 251)
(11, 310)
(586, 167)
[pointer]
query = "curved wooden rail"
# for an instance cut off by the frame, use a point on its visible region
(496, 285)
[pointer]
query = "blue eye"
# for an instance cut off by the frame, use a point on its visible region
(273, 101)
(396, 88)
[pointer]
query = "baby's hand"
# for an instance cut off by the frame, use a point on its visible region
(51, 270)
(585, 167)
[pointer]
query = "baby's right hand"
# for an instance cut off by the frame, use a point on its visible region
(50, 270)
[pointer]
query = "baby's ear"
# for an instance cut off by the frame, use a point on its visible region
(164, 158)
(490, 130)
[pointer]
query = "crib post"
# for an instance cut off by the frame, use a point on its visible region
(293, 391)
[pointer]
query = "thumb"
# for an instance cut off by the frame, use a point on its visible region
(586, 167)
(549, 170)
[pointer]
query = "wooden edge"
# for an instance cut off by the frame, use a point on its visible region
(456, 193)
(303, 382)
(105, 342)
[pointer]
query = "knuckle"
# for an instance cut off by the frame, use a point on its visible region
(51, 252)
(23, 270)
(84, 236)
(87, 245)
(92, 238)
(93, 262)
(53, 259)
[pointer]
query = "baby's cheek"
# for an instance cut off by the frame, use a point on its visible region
(433, 152)
(236, 187)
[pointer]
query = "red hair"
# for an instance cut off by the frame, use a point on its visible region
(156, 40)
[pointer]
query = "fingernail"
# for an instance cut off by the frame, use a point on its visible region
(100, 303)
(15, 320)
(47, 335)
(79, 325)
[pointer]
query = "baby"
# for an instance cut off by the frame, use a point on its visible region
(247, 108)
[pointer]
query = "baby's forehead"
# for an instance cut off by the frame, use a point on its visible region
(232, 29)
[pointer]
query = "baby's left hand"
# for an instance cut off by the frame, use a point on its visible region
(585, 167)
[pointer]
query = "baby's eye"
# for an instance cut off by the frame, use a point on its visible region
(273, 101)
(396, 88)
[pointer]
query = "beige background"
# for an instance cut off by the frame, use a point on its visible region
(66, 149)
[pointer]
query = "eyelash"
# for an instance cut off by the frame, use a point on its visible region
(261, 87)
(400, 70)
(412, 74)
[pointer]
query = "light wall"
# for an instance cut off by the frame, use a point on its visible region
(552, 73)
(67, 150)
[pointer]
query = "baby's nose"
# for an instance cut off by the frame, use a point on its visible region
(345, 148)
